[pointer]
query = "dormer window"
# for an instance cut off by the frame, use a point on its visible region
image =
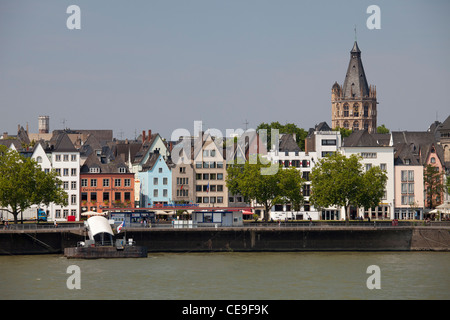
(94, 170)
(122, 170)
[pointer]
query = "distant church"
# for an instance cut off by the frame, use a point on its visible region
(354, 105)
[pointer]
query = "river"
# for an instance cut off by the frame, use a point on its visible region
(233, 276)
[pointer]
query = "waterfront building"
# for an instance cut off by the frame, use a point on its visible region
(155, 181)
(105, 181)
(354, 104)
(375, 150)
(151, 143)
(320, 142)
(183, 176)
(65, 159)
(423, 146)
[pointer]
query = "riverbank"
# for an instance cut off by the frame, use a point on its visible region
(242, 239)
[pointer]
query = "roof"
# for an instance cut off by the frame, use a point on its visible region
(355, 83)
(62, 143)
(288, 144)
(362, 138)
(98, 224)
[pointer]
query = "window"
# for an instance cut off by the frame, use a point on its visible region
(366, 111)
(219, 199)
(105, 196)
(199, 200)
(117, 196)
(219, 164)
(93, 196)
(58, 213)
(105, 182)
(346, 125)
(122, 170)
(368, 166)
(370, 155)
(84, 196)
(117, 182)
(58, 171)
(73, 157)
(73, 172)
(58, 157)
(73, 185)
(66, 185)
(198, 165)
(165, 193)
(198, 176)
(383, 166)
(404, 175)
(329, 142)
(155, 181)
(127, 182)
(66, 157)
(212, 176)
(198, 187)
(39, 159)
(355, 110)
(355, 126)
(346, 111)
(66, 172)
(306, 190)
(433, 160)
(155, 193)
(160, 170)
(205, 176)
(404, 187)
(127, 196)
(93, 182)
(205, 165)
(410, 187)
(220, 176)
(94, 170)
(220, 188)
(410, 175)
(205, 153)
(73, 212)
(73, 199)
(205, 200)
(66, 213)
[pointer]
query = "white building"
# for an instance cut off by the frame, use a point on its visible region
(321, 141)
(375, 150)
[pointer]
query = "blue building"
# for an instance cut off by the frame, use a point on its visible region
(155, 181)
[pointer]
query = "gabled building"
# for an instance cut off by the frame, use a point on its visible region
(155, 181)
(106, 182)
(65, 159)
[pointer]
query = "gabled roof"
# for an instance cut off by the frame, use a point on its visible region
(419, 142)
(62, 143)
(288, 144)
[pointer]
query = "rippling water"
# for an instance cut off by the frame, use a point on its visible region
(237, 276)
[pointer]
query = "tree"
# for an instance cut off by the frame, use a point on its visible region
(288, 128)
(433, 185)
(247, 180)
(340, 181)
(23, 183)
(344, 132)
(382, 129)
(291, 184)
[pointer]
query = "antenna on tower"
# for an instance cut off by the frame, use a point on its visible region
(355, 32)
(246, 124)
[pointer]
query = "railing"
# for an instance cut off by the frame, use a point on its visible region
(189, 224)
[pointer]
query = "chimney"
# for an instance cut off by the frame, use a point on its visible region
(143, 136)
(149, 135)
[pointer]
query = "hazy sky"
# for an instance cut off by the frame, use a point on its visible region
(161, 65)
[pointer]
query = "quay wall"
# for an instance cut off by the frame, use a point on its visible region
(242, 239)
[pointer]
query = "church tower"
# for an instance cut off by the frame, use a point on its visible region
(354, 105)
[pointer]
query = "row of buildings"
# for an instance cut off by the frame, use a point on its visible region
(100, 173)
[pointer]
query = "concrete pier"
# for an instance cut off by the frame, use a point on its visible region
(352, 238)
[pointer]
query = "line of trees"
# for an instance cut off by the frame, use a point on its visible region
(335, 180)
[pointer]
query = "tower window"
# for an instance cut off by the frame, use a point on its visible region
(355, 110)
(346, 113)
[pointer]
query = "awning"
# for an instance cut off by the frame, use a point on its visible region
(98, 225)
(93, 213)
(247, 212)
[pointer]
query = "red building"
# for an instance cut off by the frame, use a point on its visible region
(105, 183)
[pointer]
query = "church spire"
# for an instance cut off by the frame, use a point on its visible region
(355, 83)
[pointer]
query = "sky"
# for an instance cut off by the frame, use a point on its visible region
(160, 65)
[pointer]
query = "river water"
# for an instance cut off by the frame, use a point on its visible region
(230, 276)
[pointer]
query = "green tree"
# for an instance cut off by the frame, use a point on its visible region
(382, 129)
(249, 181)
(23, 183)
(344, 132)
(288, 128)
(340, 181)
(291, 184)
(433, 185)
